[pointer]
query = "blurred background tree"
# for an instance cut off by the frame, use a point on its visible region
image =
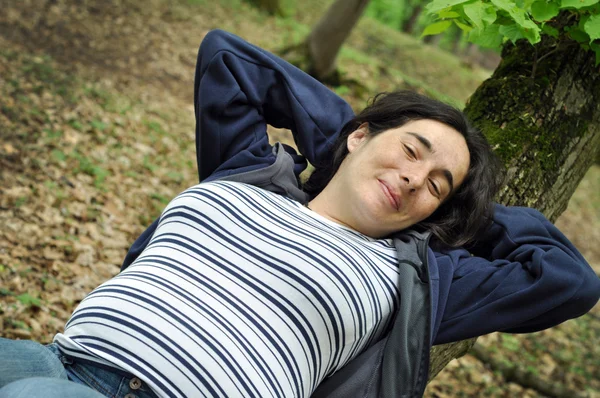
(271, 7)
(318, 52)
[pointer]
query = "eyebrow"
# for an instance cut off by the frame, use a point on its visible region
(423, 141)
(450, 179)
(427, 144)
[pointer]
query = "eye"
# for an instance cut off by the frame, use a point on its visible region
(435, 188)
(410, 151)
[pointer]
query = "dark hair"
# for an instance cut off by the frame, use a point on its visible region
(460, 218)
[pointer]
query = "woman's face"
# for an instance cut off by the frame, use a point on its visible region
(400, 176)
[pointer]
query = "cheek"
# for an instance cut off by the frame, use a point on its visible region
(391, 158)
(427, 207)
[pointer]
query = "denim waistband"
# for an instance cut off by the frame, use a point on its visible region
(109, 381)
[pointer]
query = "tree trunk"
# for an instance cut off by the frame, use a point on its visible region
(318, 53)
(470, 50)
(326, 38)
(272, 7)
(546, 128)
(408, 25)
(456, 38)
(444, 353)
(433, 40)
(540, 112)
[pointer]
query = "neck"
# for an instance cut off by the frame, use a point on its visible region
(328, 205)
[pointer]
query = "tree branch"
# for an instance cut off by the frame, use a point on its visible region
(537, 60)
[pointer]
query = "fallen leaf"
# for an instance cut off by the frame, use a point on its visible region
(50, 253)
(9, 149)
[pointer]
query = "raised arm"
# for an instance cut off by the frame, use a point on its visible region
(239, 88)
(522, 276)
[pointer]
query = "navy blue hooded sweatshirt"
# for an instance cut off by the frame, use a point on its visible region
(523, 275)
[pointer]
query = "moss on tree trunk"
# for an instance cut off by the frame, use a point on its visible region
(546, 127)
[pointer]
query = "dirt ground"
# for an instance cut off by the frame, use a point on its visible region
(96, 136)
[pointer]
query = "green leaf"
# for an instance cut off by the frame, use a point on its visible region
(480, 14)
(592, 27)
(512, 32)
(541, 10)
(578, 35)
(594, 9)
(98, 125)
(436, 28)
(582, 21)
(462, 26)
(512, 9)
(448, 14)
(29, 300)
(550, 31)
(577, 3)
(489, 37)
(490, 14)
(57, 155)
(531, 31)
(342, 90)
(475, 11)
(437, 5)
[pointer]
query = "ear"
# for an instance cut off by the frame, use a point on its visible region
(358, 137)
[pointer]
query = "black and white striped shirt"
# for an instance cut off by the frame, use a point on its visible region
(240, 293)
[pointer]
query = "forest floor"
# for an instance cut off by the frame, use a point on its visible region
(96, 136)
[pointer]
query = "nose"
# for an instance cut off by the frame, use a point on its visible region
(413, 181)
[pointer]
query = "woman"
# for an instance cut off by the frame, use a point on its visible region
(249, 285)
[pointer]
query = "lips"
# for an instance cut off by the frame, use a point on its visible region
(393, 198)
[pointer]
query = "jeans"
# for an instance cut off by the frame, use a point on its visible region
(29, 369)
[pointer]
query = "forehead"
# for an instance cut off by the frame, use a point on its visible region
(448, 148)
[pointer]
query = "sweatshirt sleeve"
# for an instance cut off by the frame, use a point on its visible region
(522, 276)
(239, 88)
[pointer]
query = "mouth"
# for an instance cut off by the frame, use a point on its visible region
(393, 199)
